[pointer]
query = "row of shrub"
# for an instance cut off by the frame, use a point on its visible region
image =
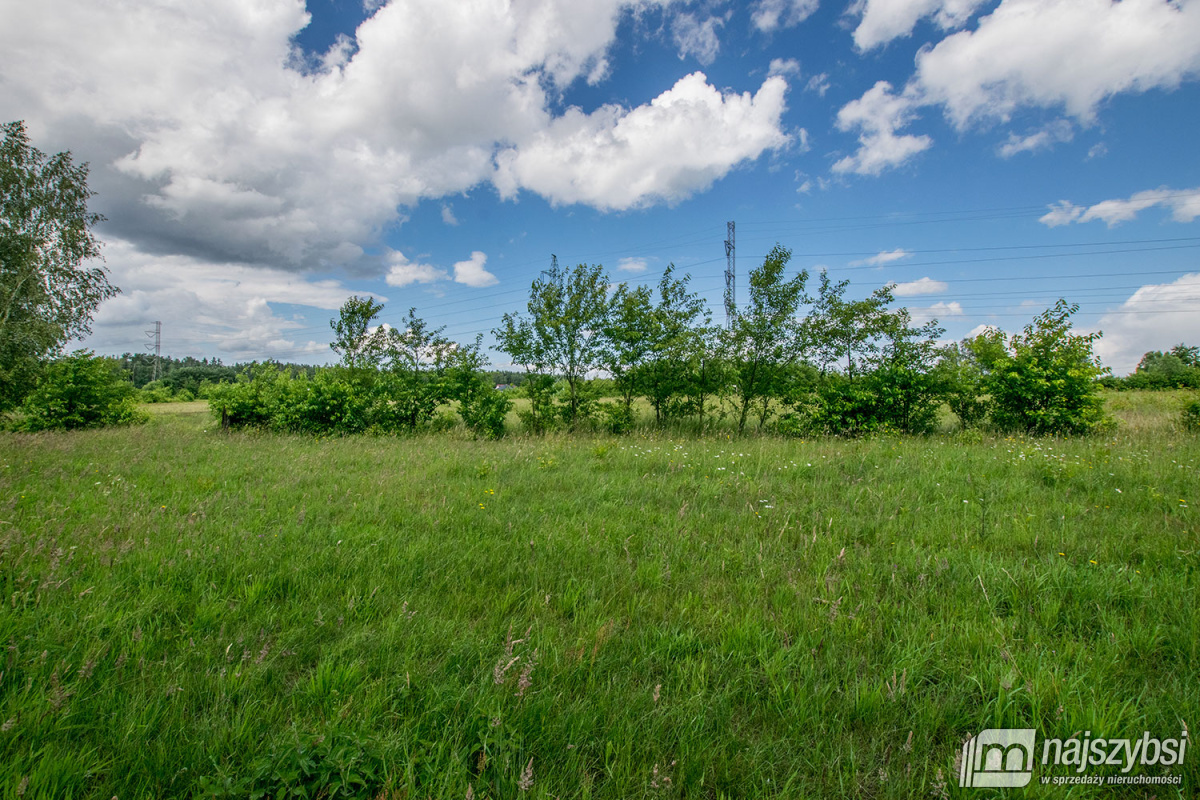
(82, 391)
(342, 400)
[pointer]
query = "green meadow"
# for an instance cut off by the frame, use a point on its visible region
(191, 612)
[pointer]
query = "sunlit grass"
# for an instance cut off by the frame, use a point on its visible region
(651, 615)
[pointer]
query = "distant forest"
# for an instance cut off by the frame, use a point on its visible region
(187, 374)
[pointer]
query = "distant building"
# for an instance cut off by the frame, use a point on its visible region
(504, 387)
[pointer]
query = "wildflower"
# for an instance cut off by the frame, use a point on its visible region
(526, 679)
(525, 783)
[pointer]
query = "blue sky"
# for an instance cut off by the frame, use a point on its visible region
(261, 160)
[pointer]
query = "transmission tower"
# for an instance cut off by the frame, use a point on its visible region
(156, 345)
(730, 276)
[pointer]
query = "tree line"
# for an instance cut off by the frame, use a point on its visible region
(795, 360)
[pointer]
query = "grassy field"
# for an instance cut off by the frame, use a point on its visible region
(188, 612)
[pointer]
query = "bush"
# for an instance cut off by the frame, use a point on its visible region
(539, 417)
(484, 411)
(1043, 381)
(80, 391)
(963, 385)
(252, 401)
(331, 403)
(155, 392)
(616, 417)
(846, 407)
(1191, 416)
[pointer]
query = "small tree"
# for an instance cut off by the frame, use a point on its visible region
(907, 389)
(963, 380)
(78, 391)
(417, 358)
(47, 296)
(764, 339)
(846, 333)
(674, 323)
(629, 340)
(563, 335)
(360, 345)
(480, 405)
(1043, 380)
(708, 369)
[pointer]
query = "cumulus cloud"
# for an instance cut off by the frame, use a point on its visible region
(616, 158)
(206, 309)
(1044, 139)
(1068, 54)
(877, 115)
(631, 264)
(215, 137)
(784, 66)
(882, 258)
(472, 273)
(1063, 55)
(448, 215)
(921, 286)
(695, 38)
(939, 311)
(1154, 317)
(884, 20)
(403, 272)
(771, 15)
(1184, 205)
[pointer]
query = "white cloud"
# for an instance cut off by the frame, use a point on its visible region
(884, 20)
(472, 273)
(403, 272)
(617, 158)
(210, 134)
(876, 116)
(696, 38)
(1184, 205)
(1061, 213)
(632, 265)
(448, 215)
(212, 309)
(939, 311)
(921, 286)
(882, 258)
(1050, 135)
(981, 328)
(771, 15)
(818, 83)
(1098, 150)
(785, 67)
(1069, 54)
(1155, 317)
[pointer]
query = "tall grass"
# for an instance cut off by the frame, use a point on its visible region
(186, 611)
